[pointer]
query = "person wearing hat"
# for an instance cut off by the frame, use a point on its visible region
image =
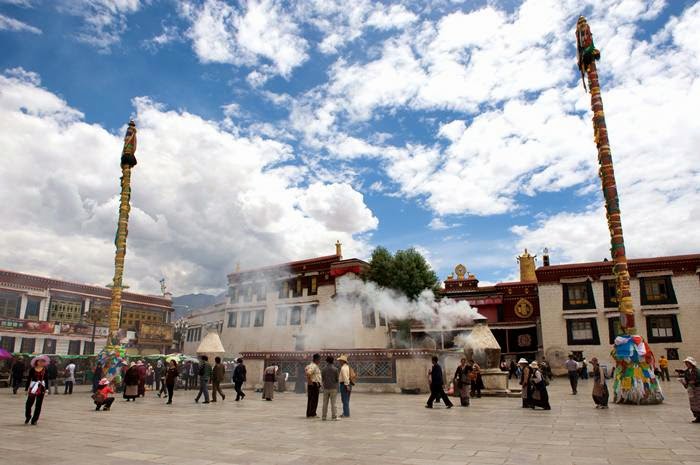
(691, 382)
(525, 392)
(600, 389)
(131, 383)
(539, 396)
(36, 387)
(101, 396)
(345, 385)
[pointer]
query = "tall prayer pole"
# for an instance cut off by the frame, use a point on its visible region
(635, 381)
(128, 161)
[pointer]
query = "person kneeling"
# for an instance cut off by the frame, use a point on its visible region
(101, 395)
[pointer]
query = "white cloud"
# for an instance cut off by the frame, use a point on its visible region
(11, 24)
(437, 224)
(386, 17)
(169, 34)
(105, 20)
(202, 198)
(262, 30)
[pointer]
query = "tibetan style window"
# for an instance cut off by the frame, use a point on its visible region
(657, 290)
(578, 296)
(88, 348)
(233, 294)
(312, 285)
(614, 328)
(368, 317)
(663, 328)
(282, 316)
(610, 293)
(74, 347)
(99, 312)
(295, 316)
(232, 319)
(259, 318)
(582, 332)
(245, 319)
(672, 353)
(297, 287)
(28, 345)
(194, 334)
(132, 316)
(49, 346)
(382, 319)
(310, 317)
(65, 311)
(33, 306)
(248, 294)
(9, 305)
(7, 343)
(283, 290)
(261, 293)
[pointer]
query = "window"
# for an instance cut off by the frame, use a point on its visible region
(99, 312)
(88, 348)
(368, 318)
(194, 334)
(672, 353)
(281, 317)
(33, 306)
(296, 286)
(657, 290)
(7, 343)
(295, 316)
(582, 332)
(245, 319)
(28, 345)
(49, 346)
(261, 293)
(248, 294)
(663, 328)
(259, 318)
(283, 290)
(132, 316)
(578, 296)
(382, 319)
(73, 347)
(610, 293)
(66, 311)
(232, 317)
(312, 285)
(233, 294)
(9, 305)
(614, 328)
(310, 314)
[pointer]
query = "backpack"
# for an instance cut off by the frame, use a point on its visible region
(353, 376)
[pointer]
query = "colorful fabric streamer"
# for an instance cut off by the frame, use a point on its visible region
(635, 381)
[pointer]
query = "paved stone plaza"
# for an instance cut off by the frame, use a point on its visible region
(385, 429)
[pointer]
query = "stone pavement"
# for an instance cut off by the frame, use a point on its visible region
(385, 429)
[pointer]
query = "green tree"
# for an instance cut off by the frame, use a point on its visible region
(407, 271)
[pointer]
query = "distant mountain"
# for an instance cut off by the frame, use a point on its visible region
(184, 304)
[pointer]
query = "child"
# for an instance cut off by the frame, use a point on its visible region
(101, 396)
(36, 387)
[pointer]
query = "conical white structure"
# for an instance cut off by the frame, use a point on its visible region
(211, 345)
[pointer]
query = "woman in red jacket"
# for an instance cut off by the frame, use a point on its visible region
(102, 395)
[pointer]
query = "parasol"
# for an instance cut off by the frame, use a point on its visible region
(5, 355)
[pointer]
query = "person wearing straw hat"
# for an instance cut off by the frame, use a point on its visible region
(691, 382)
(345, 382)
(36, 387)
(539, 396)
(101, 396)
(525, 391)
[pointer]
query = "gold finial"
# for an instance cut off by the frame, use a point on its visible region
(339, 249)
(238, 267)
(460, 271)
(527, 266)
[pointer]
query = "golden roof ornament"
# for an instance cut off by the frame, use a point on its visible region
(460, 271)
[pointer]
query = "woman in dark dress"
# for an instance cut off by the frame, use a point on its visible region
(477, 382)
(36, 387)
(462, 382)
(170, 377)
(131, 383)
(540, 397)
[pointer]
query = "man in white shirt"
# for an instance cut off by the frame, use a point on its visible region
(345, 385)
(313, 386)
(70, 378)
(572, 367)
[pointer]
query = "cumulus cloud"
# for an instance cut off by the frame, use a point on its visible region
(261, 30)
(203, 198)
(12, 24)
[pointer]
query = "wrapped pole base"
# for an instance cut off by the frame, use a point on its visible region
(634, 380)
(112, 358)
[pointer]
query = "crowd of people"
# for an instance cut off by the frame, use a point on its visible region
(336, 377)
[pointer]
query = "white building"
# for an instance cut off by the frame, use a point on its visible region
(579, 315)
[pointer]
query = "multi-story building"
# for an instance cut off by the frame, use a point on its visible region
(579, 314)
(44, 315)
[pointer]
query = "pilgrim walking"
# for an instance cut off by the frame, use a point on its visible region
(35, 387)
(691, 383)
(477, 381)
(170, 377)
(269, 378)
(218, 375)
(525, 391)
(131, 383)
(462, 382)
(204, 375)
(239, 377)
(600, 388)
(539, 397)
(437, 385)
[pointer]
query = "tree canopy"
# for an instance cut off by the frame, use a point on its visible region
(406, 271)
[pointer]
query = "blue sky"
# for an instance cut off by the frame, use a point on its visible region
(270, 129)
